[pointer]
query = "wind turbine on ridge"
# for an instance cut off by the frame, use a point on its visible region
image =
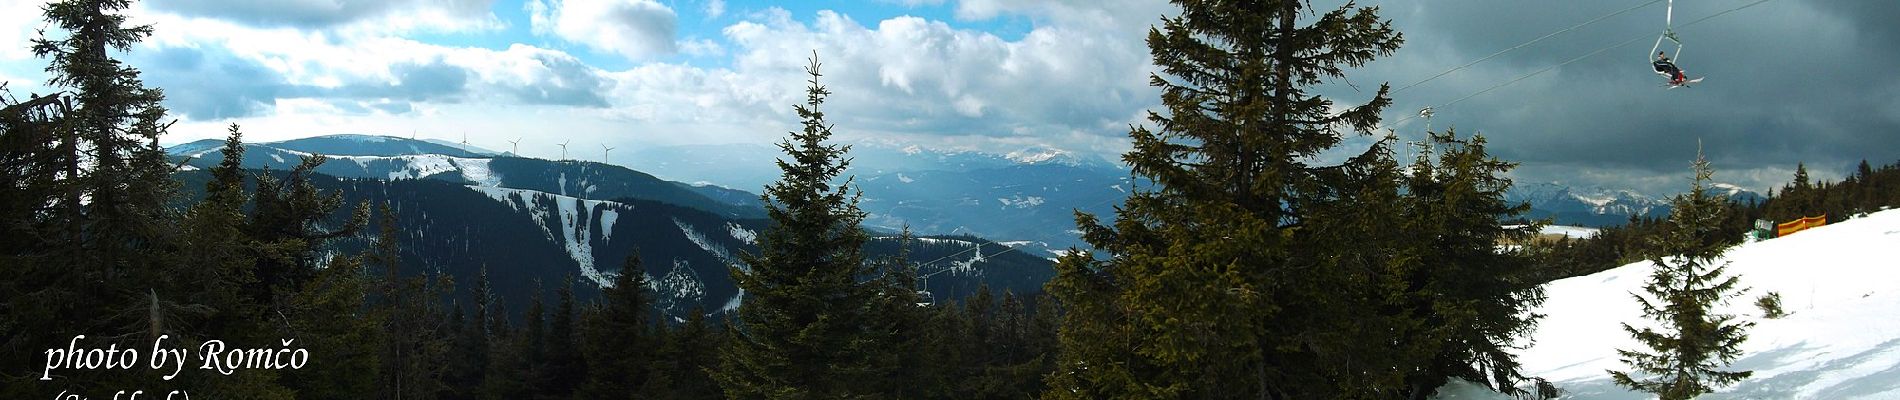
(516, 145)
(603, 152)
(564, 149)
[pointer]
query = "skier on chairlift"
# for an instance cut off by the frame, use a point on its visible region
(1666, 67)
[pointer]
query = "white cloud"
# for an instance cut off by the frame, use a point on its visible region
(715, 8)
(635, 29)
(364, 15)
(911, 77)
(701, 47)
(18, 21)
(1071, 85)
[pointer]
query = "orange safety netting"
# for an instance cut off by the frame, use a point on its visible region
(1790, 227)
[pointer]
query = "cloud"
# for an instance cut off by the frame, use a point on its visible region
(563, 80)
(219, 69)
(18, 22)
(715, 8)
(210, 85)
(326, 14)
(911, 77)
(1772, 97)
(635, 29)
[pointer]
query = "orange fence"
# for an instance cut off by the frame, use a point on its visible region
(1790, 227)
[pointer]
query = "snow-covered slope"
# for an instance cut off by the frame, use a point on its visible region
(1841, 284)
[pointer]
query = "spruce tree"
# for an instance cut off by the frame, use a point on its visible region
(117, 183)
(1210, 290)
(1472, 298)
(687, 353)
(801, 332)
(617, 336)
(1690, 344)
(470, 357)
(564, 368)
(87, 226)
(414, 350)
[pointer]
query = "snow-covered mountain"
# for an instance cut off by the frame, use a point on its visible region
(1569, 205)
(750, 166)
(389, 158)
(934, 191)
(1840, 340)
(530, 220)
(1565, 202)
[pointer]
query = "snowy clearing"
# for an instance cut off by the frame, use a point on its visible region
(1840, 284)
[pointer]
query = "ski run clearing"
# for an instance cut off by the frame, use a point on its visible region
(1839, 283)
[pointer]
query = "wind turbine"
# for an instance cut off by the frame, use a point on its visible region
(603, 153)
(564, 149)
(516, 144)
(465, 141)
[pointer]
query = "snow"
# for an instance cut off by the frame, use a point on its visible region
(708, 245)
(684, 281)
(904, 179)
(742, 234)
(608, 216)
(1840, 341)
(1019, 201)
(417, 166)
(733, 304)
(1573, 232)
(956, 242)
(361, 138)
(476, 170)
(968, 267)
(1033, 156)
(1728, 189)
(279, 158)
(421, 166)
(575, 228)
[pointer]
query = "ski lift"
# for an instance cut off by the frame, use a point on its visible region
(1665, 65)
(925, 299)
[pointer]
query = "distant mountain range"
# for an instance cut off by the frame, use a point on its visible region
(530, 220)
(1026, 198)
(1599, 207)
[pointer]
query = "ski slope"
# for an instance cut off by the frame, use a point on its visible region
(1840, 283)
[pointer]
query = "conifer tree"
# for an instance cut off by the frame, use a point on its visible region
(286, 220)
(617, 335)
(472, 342)
(1686, 351)
(1210, 291)
(330, 317)
(686, 355)
(564, 368)
(109, 146)
(413, 350)
(87, 222)
(1472, 298)
(801, 332)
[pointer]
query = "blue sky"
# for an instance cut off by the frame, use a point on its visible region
(1788, 81)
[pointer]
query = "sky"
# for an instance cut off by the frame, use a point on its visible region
(1787, 81)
